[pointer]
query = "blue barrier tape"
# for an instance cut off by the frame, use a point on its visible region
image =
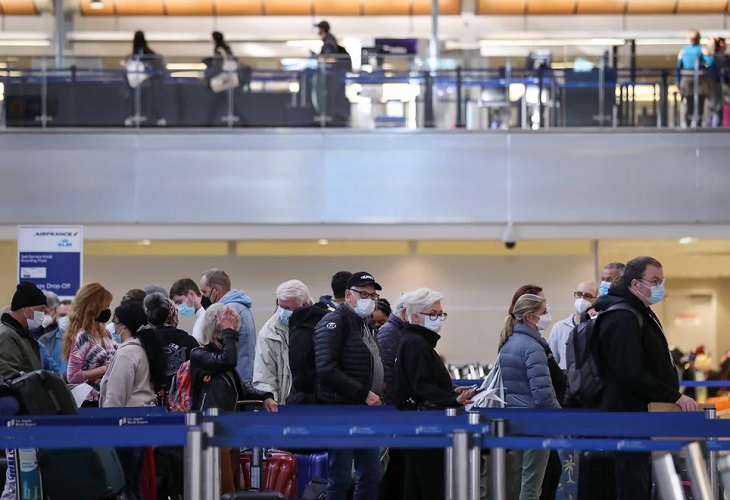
(618, 445)
(682, 383)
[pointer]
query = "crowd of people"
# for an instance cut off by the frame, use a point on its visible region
(348, 348)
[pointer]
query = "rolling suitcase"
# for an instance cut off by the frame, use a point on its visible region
(43, 393)
(311, 467)
(93, 473)
(279, 472)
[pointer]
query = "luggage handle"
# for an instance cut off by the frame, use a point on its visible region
(256, 404)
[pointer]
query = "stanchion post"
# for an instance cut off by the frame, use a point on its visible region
(194, 459)
(449, 459)
(212, 467)
(475, 459)
(499, 462)
(723, 465)
(462, 443)
(697, 471)
(711, 414)
(666, 477)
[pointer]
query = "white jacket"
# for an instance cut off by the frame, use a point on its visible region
(271, 371)
(558, 340)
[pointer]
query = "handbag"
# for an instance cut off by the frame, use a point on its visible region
(136, 72)
(227, 78)
(491, 393)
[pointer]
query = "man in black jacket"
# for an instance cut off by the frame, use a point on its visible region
(350, 371)
(636, 363)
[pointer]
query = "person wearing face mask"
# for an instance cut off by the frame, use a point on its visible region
(422, 382)
(49, 323)
(215, 285)
(19, 352)
(271, 369)
(610, 273)
(350, 371)
(584, 295)
(87, 345)
(636, 363)
(523, 358)
(53, 340)
(177, 344)
(188, 299)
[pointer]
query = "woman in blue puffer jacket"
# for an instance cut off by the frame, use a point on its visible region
(523, 361)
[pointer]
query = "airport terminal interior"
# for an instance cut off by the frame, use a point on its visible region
(466, 146)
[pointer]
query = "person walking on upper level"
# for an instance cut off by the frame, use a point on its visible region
(691, 63)
(636, 363)
(215, 285)
(146, 71)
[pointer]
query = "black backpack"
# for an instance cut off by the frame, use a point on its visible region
(581, 353)
(175, 356)
(345, 60)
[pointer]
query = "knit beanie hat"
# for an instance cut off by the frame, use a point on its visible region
(27, 295)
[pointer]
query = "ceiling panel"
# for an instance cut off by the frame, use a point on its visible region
(139, 7)
(340, 8)
(18, 7)
(514, 7)
(651, 6)
(701, 6)
(387, 7)
(551, 6)
(239, 7)
(188, 7)
(288, 7)
(601, 6)
(446, 7)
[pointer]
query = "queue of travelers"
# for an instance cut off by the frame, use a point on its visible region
(350, 348)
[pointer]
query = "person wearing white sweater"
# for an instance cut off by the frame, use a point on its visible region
(585, 295)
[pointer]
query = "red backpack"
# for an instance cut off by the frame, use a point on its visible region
(179, 398)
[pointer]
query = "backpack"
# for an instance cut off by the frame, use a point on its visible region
(174, 357)
(179, 398)
(344, 60)
(581, 353)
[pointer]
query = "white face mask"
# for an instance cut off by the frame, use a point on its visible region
(582, 305)
(544, 322)
(432, 324)
(47, 321)
(365, 307)
(36, 320)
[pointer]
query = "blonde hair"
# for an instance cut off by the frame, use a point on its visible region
(90, 300)
(525, 305)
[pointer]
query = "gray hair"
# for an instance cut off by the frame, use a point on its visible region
(421, 299)
(401, 305)
(294, 289)
(619, 266)
(52, 300)
(218, 277)
(210, 322)
(150, 289)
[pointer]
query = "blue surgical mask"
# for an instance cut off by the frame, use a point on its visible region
(432, 324)
(657, 294)
(603, 289)
(63, 323)
(186, 310)
(284, 315)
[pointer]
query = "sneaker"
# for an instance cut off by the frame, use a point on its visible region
(162, 122)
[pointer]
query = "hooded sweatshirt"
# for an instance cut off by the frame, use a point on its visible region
(241, 303)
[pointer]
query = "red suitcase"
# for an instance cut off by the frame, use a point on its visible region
(279, 474)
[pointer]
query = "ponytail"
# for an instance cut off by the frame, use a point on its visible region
(507, 330)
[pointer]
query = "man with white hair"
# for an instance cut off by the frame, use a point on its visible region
(388, 339)
(585, 295)
(423, 383)
(271, 371)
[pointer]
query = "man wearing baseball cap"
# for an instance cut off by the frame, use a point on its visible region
(350, 371)
(19, 352)
(329, 42)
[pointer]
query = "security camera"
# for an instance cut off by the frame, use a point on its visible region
(508, 237)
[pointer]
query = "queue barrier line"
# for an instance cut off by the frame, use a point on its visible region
(682, 383)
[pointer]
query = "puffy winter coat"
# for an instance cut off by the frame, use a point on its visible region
(389, 337)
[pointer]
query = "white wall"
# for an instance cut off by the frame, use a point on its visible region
(477, 289)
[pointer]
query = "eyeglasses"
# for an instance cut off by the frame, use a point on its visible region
(655, 281)
(581, 295)
(365, 295)
(435, 316)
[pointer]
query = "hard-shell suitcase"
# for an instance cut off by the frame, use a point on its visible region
(254, 495)
(43, 393)
(93, 473)
(310, 467)
(279, 472)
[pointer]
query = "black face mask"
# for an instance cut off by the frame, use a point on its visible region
(205, 302)
(104, 316)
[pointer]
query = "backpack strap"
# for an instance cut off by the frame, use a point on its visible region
(623, 306)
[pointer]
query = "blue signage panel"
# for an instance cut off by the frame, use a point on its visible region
(51, 257)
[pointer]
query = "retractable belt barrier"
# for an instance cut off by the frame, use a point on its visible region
(464, 435)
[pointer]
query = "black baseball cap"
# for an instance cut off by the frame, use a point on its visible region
(323, 25)
(363, 278)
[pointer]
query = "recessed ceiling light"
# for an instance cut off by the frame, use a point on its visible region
(323, 242)
(145, 242)
(688, 240)
(96, 4)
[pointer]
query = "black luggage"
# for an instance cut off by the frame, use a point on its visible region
(43, 393)
(254, 495)
(92, 473)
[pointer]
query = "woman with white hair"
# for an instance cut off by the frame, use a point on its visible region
(422, 382)
(271, 369)
(217, 384)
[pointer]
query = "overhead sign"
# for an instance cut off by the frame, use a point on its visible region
(51, 257)
(396, 46)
